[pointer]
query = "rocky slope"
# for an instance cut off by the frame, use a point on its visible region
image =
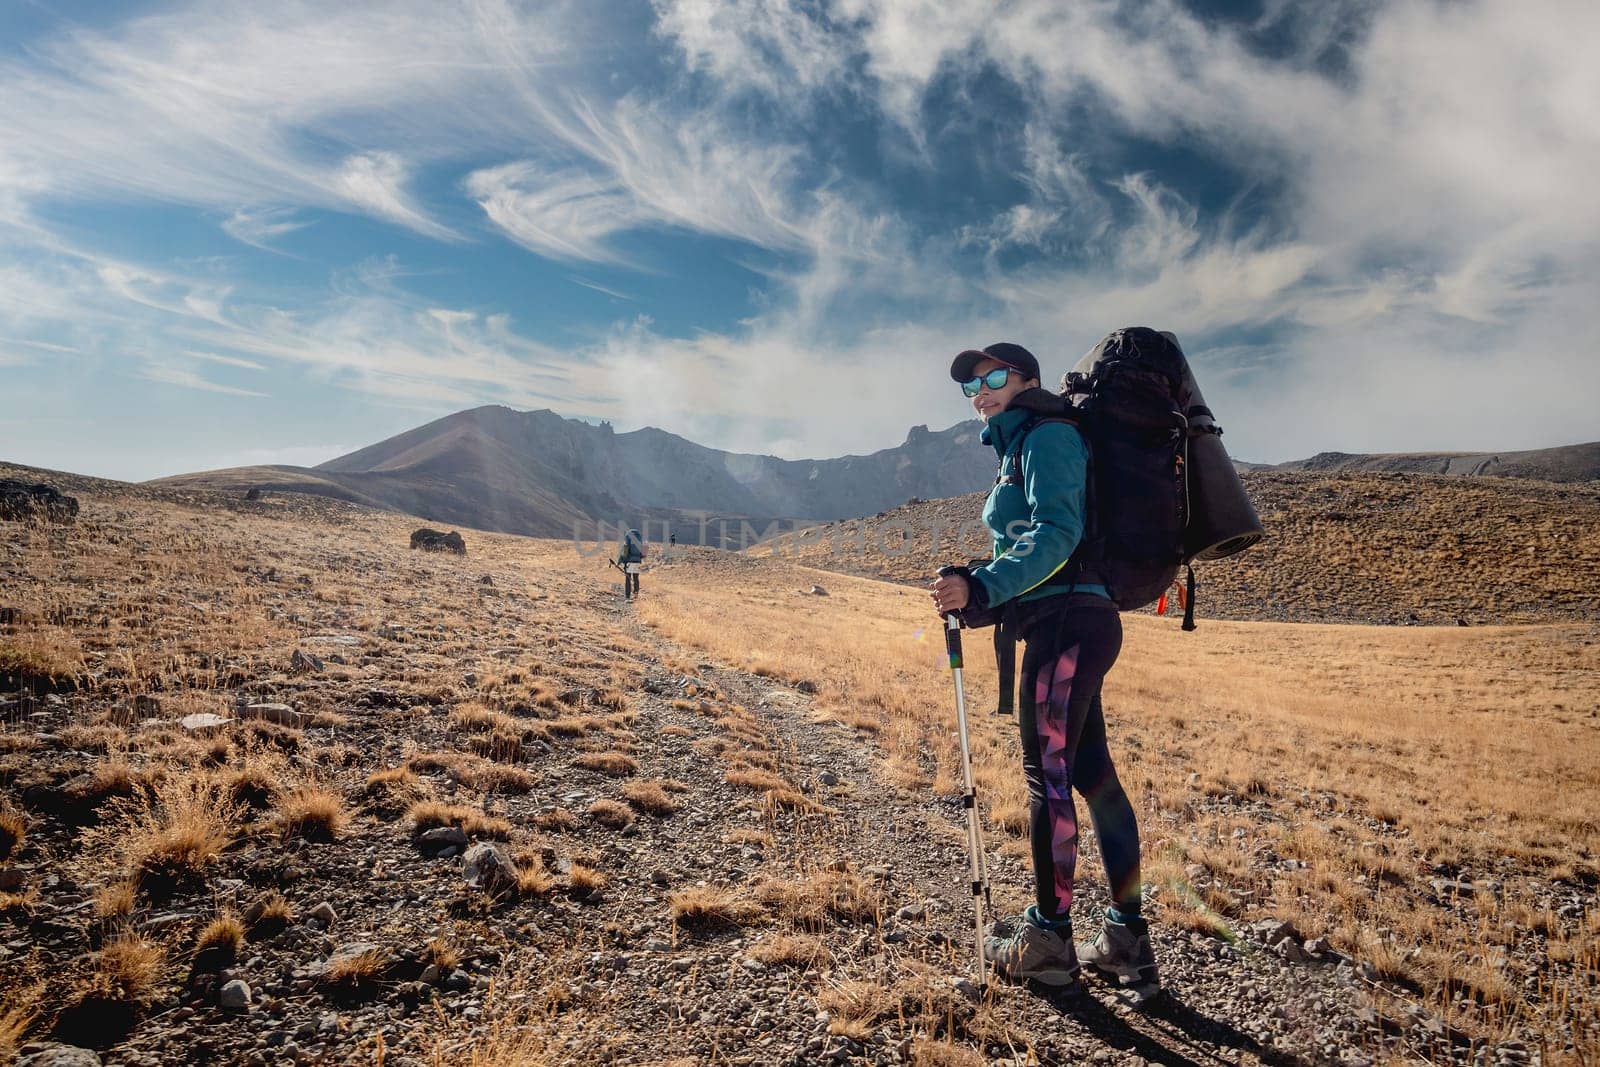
(1342, 547)
(1569, 463)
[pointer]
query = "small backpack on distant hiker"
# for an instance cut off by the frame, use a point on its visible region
(1161, 491)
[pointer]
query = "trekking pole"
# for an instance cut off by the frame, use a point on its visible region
(969, 800)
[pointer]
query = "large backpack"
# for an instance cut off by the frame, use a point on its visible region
(1161, 490)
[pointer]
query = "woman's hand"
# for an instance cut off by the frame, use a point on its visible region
(950, 593)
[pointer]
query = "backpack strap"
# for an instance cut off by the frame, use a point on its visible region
(1089, 541)
(1005, 658)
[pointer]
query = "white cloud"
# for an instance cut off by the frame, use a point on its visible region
(773, 46)
(375, 182)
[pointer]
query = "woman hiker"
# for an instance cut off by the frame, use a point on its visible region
(1073, 634)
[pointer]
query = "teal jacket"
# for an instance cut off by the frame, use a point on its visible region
(1037, 524)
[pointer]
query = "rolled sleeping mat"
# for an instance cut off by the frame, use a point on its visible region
(1222, 521)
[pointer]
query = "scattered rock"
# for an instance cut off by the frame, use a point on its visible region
(203, 722)
(281, 714)
(324, 914)
(436, 541)
(235, 996)
(817, 590)
(1290, 949)
(51, 1054)
(435, 841)
(304, 663)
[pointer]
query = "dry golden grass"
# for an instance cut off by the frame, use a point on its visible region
(575, 726)
(611, 814)
(760, 781)
(1282, 730)
(927, 1052)
(791, 950)
(116, 900)
(430, 814)
(918, 998)
(476, 718)
(49, 653)
(351, 972)
(533, 878)
(392, 790)
(651, 798)
(507, 746)
(17, 1015)
(817, 899)
(584, 880)
(442, 953)
(13, 831)
(268, 915)
(18, 902)
(559, 821)
(168, 837)
(612, 764)
(709, 904)
(217, 946)
(497, 778)
(312, 812)
(128, 969)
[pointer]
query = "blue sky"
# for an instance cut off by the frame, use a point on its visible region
(235, 233)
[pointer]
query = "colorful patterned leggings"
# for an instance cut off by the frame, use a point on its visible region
(1064, 748)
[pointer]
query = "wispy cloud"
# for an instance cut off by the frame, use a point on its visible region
(227, 361)
(168, 374)
(261, 227)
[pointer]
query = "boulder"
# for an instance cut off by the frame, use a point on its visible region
(436, 541)
(487, 868)
(21, 501)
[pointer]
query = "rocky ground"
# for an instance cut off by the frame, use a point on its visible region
(692, 868)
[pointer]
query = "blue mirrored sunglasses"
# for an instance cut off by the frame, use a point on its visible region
(995, 379)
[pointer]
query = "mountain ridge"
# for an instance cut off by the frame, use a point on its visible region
(540, 473)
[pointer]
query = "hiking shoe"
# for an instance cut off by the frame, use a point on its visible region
(1022, 950)
(1123, 950)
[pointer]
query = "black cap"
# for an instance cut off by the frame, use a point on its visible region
(1014, 356)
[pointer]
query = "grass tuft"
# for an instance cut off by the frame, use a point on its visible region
(312, 813)
(611, 814)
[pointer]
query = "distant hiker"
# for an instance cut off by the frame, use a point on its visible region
(1073, 633)
(631, 560)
